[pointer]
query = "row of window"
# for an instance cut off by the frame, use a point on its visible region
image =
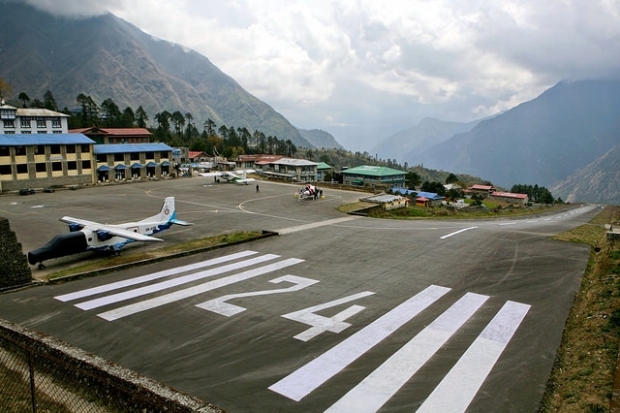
(40, 149)
(25, 123)
(43, 167)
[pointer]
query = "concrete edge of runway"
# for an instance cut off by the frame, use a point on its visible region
(112, 268)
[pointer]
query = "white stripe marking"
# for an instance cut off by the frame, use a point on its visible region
(163, 285)
(151, 277)
(376, 389)
(314, 225)
(507, 223)
(307, 378)
(195, 290)
(457, 232)
(458, 388)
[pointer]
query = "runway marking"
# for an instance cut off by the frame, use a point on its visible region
(307, 378)
(194, 290)
(319, 323)
(378, 387)
(163, 285)
(150, 277)
(460, 385)
(507, 223)
(314, 225)
(220, 306)
(457, 232)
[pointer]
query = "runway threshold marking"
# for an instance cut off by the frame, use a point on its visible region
(163, 285)
(194, 290)
(460, 385)
(314, 225)
(150, 277)
(378, 387)
(307, 378)
(457, 232)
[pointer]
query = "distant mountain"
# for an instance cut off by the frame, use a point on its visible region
(539, 142)
(429, 132)
(597, 182)
(320, 139)
(106, 57)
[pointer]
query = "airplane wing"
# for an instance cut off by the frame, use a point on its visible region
(211, 174)
(119, 232)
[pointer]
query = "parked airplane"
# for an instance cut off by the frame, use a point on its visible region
(238, 177)
(86, 235)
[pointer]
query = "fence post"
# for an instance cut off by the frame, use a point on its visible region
(32, 387)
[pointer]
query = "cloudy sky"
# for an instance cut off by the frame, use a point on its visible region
(362, 69)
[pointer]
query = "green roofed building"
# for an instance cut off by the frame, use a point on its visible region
(373, 175)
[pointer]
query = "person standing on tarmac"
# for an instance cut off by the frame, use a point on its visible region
(257, 188)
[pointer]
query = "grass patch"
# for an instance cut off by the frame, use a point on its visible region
(582, 378)
(188, 247)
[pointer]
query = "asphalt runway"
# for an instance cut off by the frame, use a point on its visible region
(338, 313)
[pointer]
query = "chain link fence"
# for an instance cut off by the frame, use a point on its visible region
(42, 375)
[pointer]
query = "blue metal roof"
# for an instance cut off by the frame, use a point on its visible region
(429, 195)
(44, 139)
(130, 147)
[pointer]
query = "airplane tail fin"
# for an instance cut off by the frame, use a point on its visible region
(167, 214)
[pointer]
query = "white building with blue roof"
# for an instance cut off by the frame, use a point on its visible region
(133, 161)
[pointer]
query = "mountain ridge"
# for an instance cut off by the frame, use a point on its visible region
(107, 57)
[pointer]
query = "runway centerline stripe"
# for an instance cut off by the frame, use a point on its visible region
(460, 385)
(195, 290)
(456, 232)
(379, 386)
(307, 378)
(148, 289)
(153, 276)
(314, 225)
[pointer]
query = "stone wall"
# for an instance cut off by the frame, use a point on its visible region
(14, 268)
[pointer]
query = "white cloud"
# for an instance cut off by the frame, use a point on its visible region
(327, 62)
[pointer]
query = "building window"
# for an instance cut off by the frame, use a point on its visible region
(85, 149)
(4, 151)
(85, 164)
(22, 168)
(71, 166)
(56, 166)
(119, 157)
(41, 124)
(7, 113)
(102, 158)
(5, 169)
(40, 167)
(134, 156)
(9, 124)
(56, 123)
(57, 131)
(20, 150)
(55, 149)
(39, 150)
(25, 132)
(25, 123)
(70, 148)
(9, 132)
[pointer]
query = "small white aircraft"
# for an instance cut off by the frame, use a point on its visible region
(239, 177)
(86, 235)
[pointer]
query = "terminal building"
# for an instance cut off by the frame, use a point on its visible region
(37, 151)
